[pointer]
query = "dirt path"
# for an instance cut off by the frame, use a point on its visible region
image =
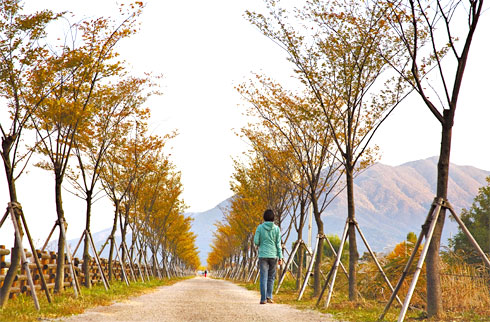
(198, 299)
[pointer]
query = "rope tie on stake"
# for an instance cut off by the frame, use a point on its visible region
(352, 221)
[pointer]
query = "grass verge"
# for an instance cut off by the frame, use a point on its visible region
(362, 311)
(22, 307)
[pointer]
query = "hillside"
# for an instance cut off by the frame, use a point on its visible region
(390, 202)
(204, 226)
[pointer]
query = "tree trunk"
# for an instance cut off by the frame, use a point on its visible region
(86, 254)
(251, 257)
(154, 262)
(434, 295)
(299, 274)
(60, 267)
(243, 274)
(165, 263)
(15, 255)
(319, 224)
(300, 250)
(112, 239)
(124, 229)
(353, 254)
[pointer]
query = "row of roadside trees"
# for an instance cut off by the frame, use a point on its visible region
(71, 105)
(353, 62)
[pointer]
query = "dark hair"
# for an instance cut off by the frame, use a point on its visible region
(268, 215)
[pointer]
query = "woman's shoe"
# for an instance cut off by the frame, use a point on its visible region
(262, 302)
(269, 300)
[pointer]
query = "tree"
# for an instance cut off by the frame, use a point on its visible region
(430, 31)
(158, 202)
(116, 177)
(257, 186)
(23, 86)
(80, 67)
(224, 247)
(262, 186)
(130, 160)
(477, 220)
(335, 48)
(161, 203)
(112, 105)
(299, 134)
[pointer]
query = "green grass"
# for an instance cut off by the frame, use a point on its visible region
(22, 307)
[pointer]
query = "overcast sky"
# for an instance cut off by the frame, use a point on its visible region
(205, 48)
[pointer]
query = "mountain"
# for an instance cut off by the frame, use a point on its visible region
(204, 226)
(390, 202)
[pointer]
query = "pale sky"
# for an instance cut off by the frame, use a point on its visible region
(205, 48)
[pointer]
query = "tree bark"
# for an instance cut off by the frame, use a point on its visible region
(353, 254)
(124, 228)
(300, 250)
(112, 239)
(15, 255)
(60, 267)
(299, 274)
(86, 254)
(319, 224)
(434, 293)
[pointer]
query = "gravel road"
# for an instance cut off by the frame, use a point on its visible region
(198, 299)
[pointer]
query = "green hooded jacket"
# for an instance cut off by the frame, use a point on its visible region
(268, 238)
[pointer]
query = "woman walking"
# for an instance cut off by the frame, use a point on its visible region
(268, 238)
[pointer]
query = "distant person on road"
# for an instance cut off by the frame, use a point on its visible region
(268, 238)
(205, 273)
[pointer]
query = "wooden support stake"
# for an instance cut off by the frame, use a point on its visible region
(165, 267)
(97, 260)
(376, 261)
(467, 233)
(341, 266)
(123, 269)
(252, 269)
(334, 252)
(76, 287)
(104, 245)
(133, 274)
(420, 263)
(336, 264)
(405, 270)
(290, 259)
(34, 254)
(146, 263)
(157, 267)
(310, 267)
(25, 263)
(49, 237)
(4, 218)
(139, 248)
(432, 219)
(78, 244)
(327, 284)
(138, 263)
